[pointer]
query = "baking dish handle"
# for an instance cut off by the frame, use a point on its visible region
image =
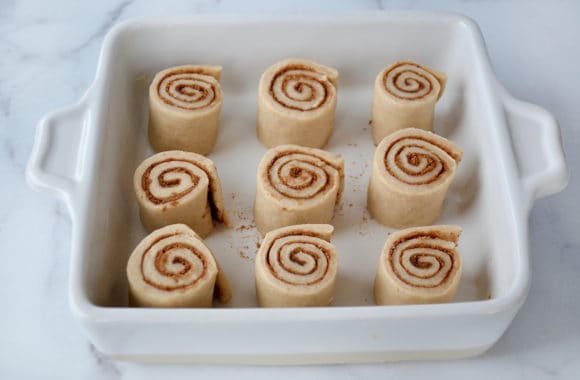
(54, 163)
(537, 145)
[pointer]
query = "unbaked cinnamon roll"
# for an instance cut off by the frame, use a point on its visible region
(296, 103)
(184, 108)
(412, 170)
(179, 187)
(405, 96)
(172, 267)
(296, 266)
(419, 265)
(297, 185)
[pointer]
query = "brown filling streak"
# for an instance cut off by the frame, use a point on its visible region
(414, 160)
(184, 89)
(146, 181)
(293, 257)
(298, 86)
(295, 172)
(415, 258)
(161, 258)
(421, 85)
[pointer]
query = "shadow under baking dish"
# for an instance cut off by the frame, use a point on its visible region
(477, 201)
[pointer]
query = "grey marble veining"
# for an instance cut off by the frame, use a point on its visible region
(48, 56)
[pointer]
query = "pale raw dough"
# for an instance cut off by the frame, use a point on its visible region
(297, 185)
(296, 266)
(172, 267)
(179, 187)
(412, 170)
(405, 96)
(419, 265)
(184, 108)
(296, 103)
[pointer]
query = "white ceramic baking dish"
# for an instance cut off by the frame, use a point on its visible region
(87, 154)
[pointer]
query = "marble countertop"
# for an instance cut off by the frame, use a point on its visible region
(48, 56)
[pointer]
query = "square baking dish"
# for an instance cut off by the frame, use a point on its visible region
(87, 154)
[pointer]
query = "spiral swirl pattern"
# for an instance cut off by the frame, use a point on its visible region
(188, 89)
(423, 259)
(296, 266)
(300, 87)
(299, 259)
(301, 175)
(418, 159)
(170, 263)
(410, 81)
(169, 180)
